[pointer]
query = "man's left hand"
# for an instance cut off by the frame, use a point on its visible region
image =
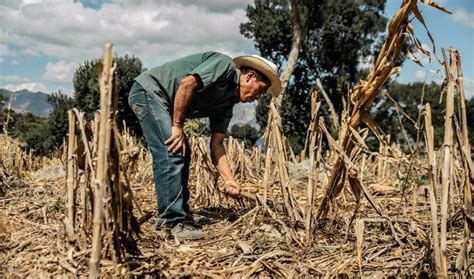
(175, 142)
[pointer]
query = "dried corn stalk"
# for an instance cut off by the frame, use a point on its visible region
(448, 167)
(313, 175)
(359, 230)
(462, 261)
(364, 94)
(93, 165)
(441, 195)
(433, 176)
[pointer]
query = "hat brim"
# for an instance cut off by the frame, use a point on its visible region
(259, 65)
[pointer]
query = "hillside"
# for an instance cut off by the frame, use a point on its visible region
(27, 101)
(244, 114)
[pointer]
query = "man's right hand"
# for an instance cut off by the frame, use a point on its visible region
(232, 188)
(175, 142)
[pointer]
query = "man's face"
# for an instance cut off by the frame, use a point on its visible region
(251, 89)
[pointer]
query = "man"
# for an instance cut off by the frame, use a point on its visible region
(201, 85)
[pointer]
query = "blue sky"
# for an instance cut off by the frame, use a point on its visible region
(43, 41)
(449, 31)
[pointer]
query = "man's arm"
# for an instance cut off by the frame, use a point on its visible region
(219, 159)
(186, 89)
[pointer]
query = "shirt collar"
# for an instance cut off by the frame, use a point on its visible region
(237, 82)
(237, 76)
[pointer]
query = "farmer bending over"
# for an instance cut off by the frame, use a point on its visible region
(201, 85)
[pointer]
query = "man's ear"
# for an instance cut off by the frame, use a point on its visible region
(249, 76)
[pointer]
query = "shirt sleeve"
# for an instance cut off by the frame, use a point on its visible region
(219, 122)
(215, 67)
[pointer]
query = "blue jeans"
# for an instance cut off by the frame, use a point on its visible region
(171, 171)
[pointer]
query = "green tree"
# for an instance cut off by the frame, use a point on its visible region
(46, 138)
(391, 116)
(87, 93)
(86, 88)
(400, 105)
(245, 133)
(2, 103)
(39, 140)
(58, 118)
(2, 113)
(341, 33)
(22, 123)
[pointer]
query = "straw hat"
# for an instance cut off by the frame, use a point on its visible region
(265, 67)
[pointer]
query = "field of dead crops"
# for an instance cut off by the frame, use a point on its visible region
(385, 230)
(337, 209)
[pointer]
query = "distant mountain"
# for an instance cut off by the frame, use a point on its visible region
(36, 103)
(27, 101)
(244, 114)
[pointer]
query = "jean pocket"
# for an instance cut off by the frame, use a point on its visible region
(140, 111)
(138, 103)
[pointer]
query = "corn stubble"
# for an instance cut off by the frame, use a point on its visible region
(355, 213)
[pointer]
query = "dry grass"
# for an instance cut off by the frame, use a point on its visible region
(346, 211)
(243, 239)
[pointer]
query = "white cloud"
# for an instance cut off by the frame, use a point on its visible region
(212, 5)
(31, 86)
(216, 5)
(14, 63)
(13, 78)
(30, 52)
(4, 50)
(155, 32)
(10, 3)
(60, 72)
(464, 17)
(64, 90)
(420, 75)
(29, 2)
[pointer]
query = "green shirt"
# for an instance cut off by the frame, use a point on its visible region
(215, 99)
